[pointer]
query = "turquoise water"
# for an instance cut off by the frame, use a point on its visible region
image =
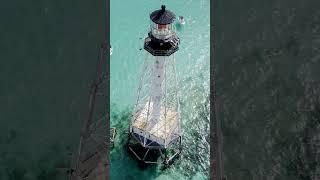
(129, 25)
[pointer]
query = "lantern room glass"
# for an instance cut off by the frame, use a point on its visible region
(162, 31)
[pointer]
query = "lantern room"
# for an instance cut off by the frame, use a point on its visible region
(161, 24)
(162, 39)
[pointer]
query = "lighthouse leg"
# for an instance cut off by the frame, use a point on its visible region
(128, 141)
(180, 145)
(166, 160)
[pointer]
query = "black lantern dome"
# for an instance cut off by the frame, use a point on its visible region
(162, 16)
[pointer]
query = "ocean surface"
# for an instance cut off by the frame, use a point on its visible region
(129, 26)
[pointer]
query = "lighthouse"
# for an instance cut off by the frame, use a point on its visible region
(155, 128)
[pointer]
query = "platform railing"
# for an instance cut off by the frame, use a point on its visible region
(160, 52)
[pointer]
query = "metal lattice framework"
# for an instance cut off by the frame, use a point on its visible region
(155, 122)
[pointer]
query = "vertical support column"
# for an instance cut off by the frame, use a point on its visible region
(176, 93)
(137, 106)
(156, 89)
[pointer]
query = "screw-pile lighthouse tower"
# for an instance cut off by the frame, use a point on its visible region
(155, 127)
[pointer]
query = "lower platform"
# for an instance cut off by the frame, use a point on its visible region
(161, 130)
(154, 155)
